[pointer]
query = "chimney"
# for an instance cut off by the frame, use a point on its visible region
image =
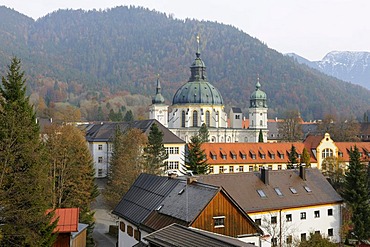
(302, 171)
(190, 180)
(265, 175)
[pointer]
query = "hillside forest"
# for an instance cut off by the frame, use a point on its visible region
(92, 65)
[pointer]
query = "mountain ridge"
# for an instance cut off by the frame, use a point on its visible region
(75, 54)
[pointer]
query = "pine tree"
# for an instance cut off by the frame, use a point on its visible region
(129, 116)
(126, 164)
(24, 188)
(154, 153)
(305, 159)
(260, 136)
(195, 158)
(356, 195)
(72, 170)
(292, 157)
(203, 133)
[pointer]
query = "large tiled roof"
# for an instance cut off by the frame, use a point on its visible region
(243, 189)
(177, 235)
(264, 153)
(105, 131)
(144, 196)
(345, 147)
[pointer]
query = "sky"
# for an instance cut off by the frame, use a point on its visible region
(309, 28)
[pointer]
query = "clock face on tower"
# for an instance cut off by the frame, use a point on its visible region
(260, 103)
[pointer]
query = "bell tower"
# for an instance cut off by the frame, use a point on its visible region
(258, 109)
(159, 110)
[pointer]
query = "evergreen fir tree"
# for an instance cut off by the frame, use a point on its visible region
(24, 187)
(195, 158)
(292, 157)
(305, 159)
(129, 116)
(203, 133)
(356, 195)
(260, 136)
(154, 152)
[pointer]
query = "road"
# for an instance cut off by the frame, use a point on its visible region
(102, 220)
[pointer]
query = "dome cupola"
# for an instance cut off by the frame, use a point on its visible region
(158, 98)
(198, 90)
(258, 97)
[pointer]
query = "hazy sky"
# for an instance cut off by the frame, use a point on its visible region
(310, 28)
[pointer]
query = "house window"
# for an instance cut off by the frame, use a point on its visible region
(274, 242)
(195, 119)
(289, 239)
(172, 150)
(317, 214)
(303, 237)
(211, 169)
(270, 167)
(261, 123)
(327, 152)
(330, 212)
(317, 232)
(243, 156)
(258, 222)
(279, 167)
(251, 168)
(330, 232)
(241, 168)
(208, 118)
(307, 188)
(100, 172)
(223, 156)
(263, 156)
(183, 119)
(273, 219)
(100, 147)
(303, 215)
(137, 235)
(100, 159)
(122, 226)
(130, 231)
(172, 165)
(272, 156)
(294, 191)
(253, 156)
(219, 221)
(110, 147)
(231, 169)
(221, 169)
(288, 217)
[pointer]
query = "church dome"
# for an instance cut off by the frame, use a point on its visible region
(198, 90)
(258, 93)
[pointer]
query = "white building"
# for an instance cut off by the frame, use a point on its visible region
(198, 102)
(100, 140)
(287, 204)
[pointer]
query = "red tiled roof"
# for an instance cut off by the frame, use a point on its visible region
(68, 219)
(312, 141)
(250, 149)
(363, 148)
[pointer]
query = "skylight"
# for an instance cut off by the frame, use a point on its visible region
(307, 189)
(261, 193)
(294, 191)
(278, 191)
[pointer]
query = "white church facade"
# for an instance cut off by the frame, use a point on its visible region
(198, 102)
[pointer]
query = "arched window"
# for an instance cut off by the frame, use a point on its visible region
(327, 152)
(195, 119)
(261, 122)
(208, 118)
(183, 119)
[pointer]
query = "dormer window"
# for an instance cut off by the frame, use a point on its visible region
(213, 155)
(243, 155)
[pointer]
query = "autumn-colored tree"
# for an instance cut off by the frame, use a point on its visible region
(71, 172)
(333, 168)
(316, 240)
(154, 152)
(24, 189)
(344, 129)
(126, 164)
(290, 128)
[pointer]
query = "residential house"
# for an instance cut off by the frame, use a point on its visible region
(177, 235)
(100, 141)
(287, 204)
(154, 202)
(70, 232)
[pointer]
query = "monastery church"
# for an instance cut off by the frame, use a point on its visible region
(198, 102)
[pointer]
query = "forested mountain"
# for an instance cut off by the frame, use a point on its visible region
(78, 56)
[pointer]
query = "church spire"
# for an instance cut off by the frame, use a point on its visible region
(198, 68)
(158, 98)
